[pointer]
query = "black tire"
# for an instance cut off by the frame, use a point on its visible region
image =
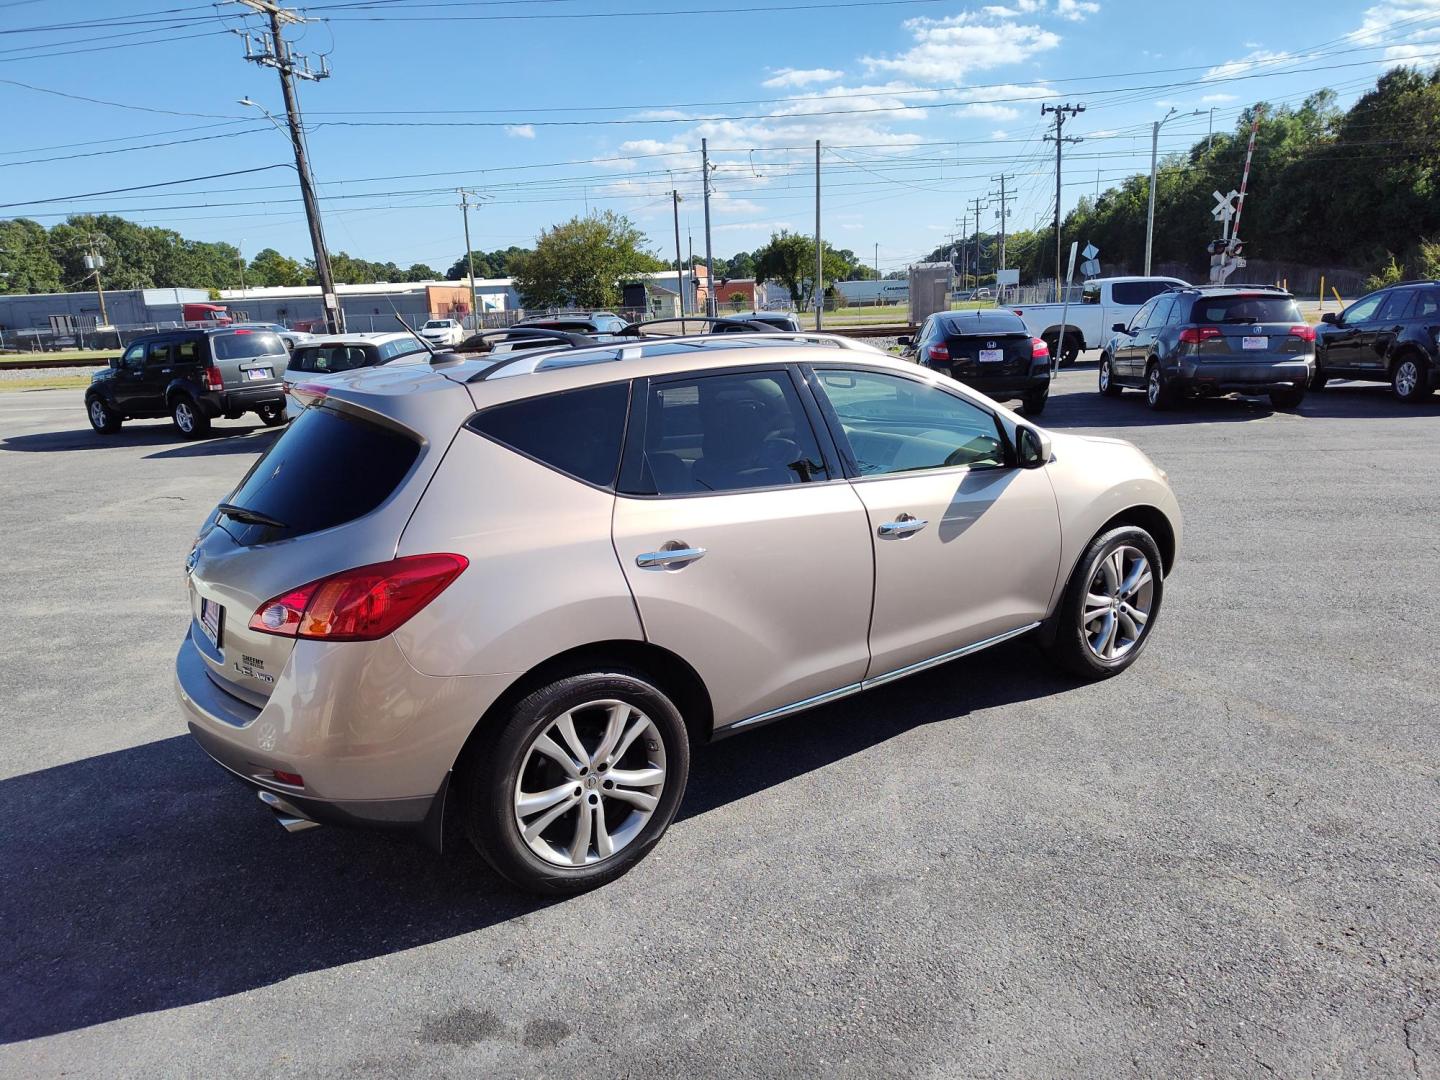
(188, 418)
(1071, 352)
(1105, 378)
(1034, 402)
(271, 415)
(1410, 379)
(1287, 399)
(1071, 646)
(1319, 379)
(1159, 394)
(494, 770)
(102, 418)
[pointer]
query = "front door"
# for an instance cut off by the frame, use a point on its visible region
(747, 551)
(1132, 349)
(129, 380)
(1348, 341)
(967, 545)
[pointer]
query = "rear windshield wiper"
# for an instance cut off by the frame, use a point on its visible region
(250, 517)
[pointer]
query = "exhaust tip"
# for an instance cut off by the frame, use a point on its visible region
(289, 819)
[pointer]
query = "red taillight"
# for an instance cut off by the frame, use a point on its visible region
(1304, 332)
(1194, 335)
(1038, 349)
(1019, 311)
(938, 352)
(294, 779)
(362, 604)
(316, 389)
(213, 379)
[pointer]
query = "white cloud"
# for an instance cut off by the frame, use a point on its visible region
(1257, 59)
(758, 226)
(948, 49)
(784, 77)
(1000, 135)
(1075, 10)
(989, 111)
(1421, 34)
(1022, 7)
(520, 131)
(1217, 99)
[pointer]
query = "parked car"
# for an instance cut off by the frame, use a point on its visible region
(1103, 303)
(989, 349)
(291, 338)
(580, 322)
(444, 333)
(1388, 336)
(550, 573)
(346, 352)
(1213, 339)
(193, 377)
(781, 320)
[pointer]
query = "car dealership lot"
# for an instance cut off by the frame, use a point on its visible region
(1224, 861)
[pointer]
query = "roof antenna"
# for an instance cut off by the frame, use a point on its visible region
(436, 357)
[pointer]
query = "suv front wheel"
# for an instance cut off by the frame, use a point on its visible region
(1110, 604)
(577, 781)
(102, 419)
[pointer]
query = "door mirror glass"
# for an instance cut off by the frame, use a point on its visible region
(1330, 317)
(1120, 328)
(1032, 447)
(115, 362)
(905, 341)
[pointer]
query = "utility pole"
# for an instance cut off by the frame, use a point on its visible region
(964, 263)
(1002, 214)
(819, 289)
(978, 208)
(1060, 139)
(469, 254)
(94, 261)
(709, 272)
(274, 52)
(240, 261)
(877, 262)
(679, 265)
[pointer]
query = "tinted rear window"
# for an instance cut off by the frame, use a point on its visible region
(1245, 309)
(328, 468)
(1136, 292)
(242, 346)
(578, 432)
(989, 322)
(328, 358)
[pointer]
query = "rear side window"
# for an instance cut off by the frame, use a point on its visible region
(238, 346)
(1429, 304)
(1397, 305)
(1245, 309)
(187, 351)
(577, 432)
(999, 322)
(296, 480)
(1136, 292)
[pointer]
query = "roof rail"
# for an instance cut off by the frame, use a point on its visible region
(636, 329)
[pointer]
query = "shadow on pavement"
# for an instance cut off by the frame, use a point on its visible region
(148, 879)
(226, 440)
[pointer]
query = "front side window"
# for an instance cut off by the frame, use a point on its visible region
(894, 424)
(1142, 317)
(577, 432)
(134, 357)
(1364, 309)
(725, 433)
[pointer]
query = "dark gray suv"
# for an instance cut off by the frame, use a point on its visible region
(1208, 340)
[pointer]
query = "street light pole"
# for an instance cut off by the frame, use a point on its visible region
(1154, 160)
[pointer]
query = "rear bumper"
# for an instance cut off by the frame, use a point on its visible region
(1249, 377)
(1005, 387)
(242, 399)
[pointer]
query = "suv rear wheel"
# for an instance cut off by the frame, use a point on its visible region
(577, 781)
(1411, 379)
(101, 418)
(1158, 394)
(188, 419)
(271, 415)
(1287, 399)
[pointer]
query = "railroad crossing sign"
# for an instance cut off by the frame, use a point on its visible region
(1224, 208)
(1091, 266)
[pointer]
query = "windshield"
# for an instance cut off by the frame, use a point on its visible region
(1245, 309)
(437, 324)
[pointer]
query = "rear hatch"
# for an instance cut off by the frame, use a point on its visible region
(248, 357)
(315, 358)
(1247, 328)
(332, 493)
(987, 345)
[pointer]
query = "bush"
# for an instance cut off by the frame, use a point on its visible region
(1422, 262)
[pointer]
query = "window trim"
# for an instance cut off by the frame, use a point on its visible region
(613, 486)
(848, 460)
(633, 450)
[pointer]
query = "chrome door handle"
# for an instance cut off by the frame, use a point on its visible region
(903, 526)
(669, 558)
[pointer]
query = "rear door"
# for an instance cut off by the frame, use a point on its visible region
(747, 551)
(1389, 326)
(966, 545)
(248, 357)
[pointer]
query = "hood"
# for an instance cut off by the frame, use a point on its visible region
(1101, 448)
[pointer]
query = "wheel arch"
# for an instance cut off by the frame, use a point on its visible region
(1153, 520)
(1404, 351)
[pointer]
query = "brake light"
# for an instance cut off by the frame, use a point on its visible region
(319, 390)
(1194, 335)
(213, 379)
(1038, 349)
(1305, 332)
(939, 352)
(244, 331)
(362, 604)
(1019, 311)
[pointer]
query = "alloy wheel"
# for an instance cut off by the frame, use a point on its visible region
(1152, 387)
(589, 783)
(1118, 602)
(184, 418)
(1407, 377)
(1104, 375)
(98, 418)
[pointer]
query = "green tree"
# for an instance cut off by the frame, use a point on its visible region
(269, 267)
(420, 272)
(27, 264)
(488, 264)
(583, 261)
(789, 259)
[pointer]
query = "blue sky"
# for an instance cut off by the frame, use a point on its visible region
(552, 107)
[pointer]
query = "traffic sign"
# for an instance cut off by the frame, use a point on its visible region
(1090, 252)
(1224, 209)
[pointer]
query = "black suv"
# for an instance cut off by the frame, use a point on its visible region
(1388, 336)
(989, 349)
(1207, 340)
(192, 376)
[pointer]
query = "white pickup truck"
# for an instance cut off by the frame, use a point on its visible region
(1103, 303)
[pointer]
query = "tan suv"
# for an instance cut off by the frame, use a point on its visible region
(544, 575)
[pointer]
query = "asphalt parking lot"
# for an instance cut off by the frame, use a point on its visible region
(1224, 863)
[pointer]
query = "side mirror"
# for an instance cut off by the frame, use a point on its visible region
(115, 362)
(906, 341)
(1120, 328)
(1032, 446)
(1330, 317)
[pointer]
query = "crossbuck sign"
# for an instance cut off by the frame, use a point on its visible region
(1224, 209)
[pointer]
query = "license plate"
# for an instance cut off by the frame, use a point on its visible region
(1255, 343)
(256, 374)
(212, 619)
(992, 356)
